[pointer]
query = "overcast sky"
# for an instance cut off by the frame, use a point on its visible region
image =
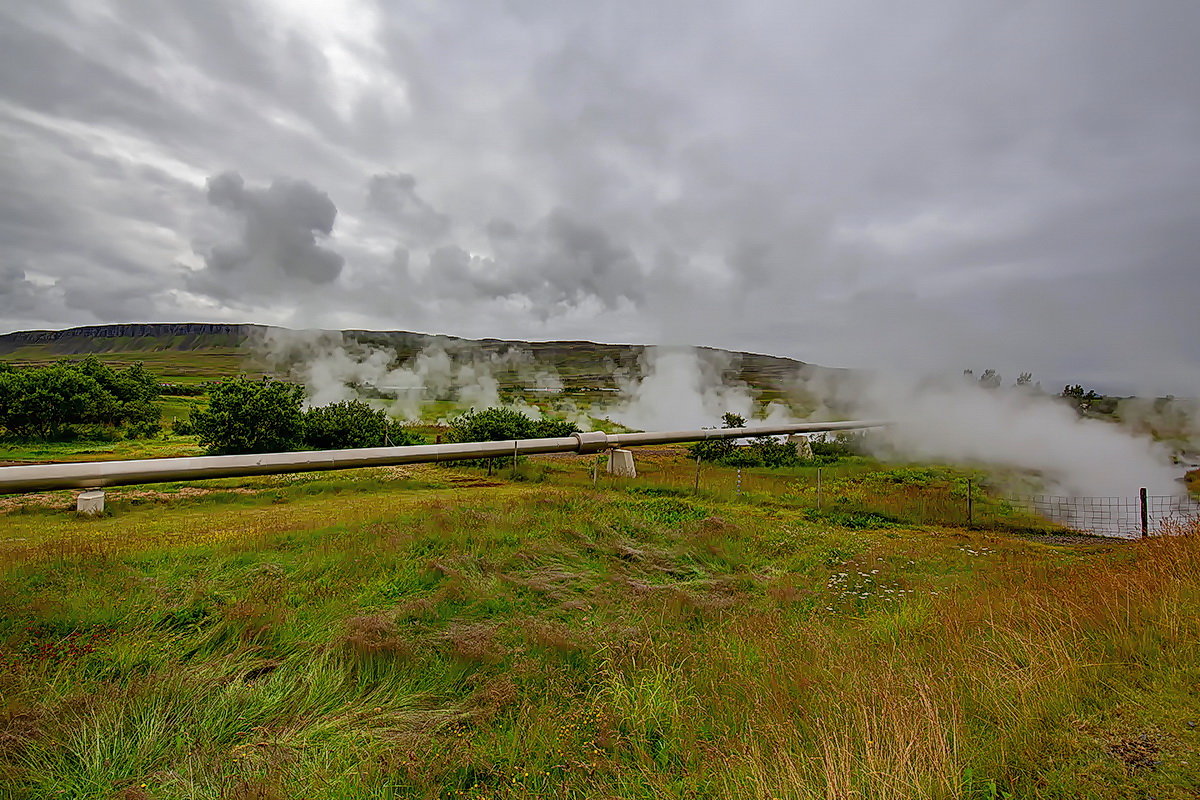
(927, 185)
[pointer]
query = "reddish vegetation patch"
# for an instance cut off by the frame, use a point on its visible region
(252, 790)
(493, 697)
(133, 793)
(374, 634)
(17, 730)
(47, 645)
(474, 642)
(553, 635)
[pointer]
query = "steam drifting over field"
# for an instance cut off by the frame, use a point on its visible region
(952, 420)
(960, 422)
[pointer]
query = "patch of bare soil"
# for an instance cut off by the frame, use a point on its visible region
(1136, 752)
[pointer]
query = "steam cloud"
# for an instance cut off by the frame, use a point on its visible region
(680, 389)
(333, 368)
(961, 422)
(953, 420)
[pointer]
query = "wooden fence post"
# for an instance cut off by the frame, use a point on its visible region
(696, 482)
(970, 504)
(818, 488)
(1145, 514)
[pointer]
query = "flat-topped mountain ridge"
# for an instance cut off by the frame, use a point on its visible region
(125, 341)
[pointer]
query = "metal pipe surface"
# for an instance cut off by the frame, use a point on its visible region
(98, 474)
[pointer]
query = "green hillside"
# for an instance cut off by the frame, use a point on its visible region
(190, 352)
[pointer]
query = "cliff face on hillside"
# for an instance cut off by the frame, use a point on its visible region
(133, 330)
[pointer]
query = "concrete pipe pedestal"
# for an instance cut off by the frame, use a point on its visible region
(803, 446)
(620, 463)
(90, 503)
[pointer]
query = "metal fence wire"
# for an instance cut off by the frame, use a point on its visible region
(842, 491)
(1112, 516)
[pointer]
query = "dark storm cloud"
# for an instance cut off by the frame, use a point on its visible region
(934, 186)
(277, 245)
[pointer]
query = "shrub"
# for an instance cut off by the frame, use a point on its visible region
(502, 424)
(718, 449)
(353, 423)
(840, 445)
(248, 416)
(61, 399)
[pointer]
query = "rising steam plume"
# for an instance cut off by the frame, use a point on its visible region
(948, 420)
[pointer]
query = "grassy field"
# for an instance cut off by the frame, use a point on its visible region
(172, 366)
(437, 633)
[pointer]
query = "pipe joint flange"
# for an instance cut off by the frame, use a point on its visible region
(591, 442)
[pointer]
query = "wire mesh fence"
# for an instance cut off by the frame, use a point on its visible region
(1113, 516)
(859, 492)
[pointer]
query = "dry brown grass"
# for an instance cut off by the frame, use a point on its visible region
(475, 642)
(375, 634)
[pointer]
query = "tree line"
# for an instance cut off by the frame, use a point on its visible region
(88, 398)
(268, 415)
(70, 399)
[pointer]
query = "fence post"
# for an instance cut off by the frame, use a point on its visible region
(1145, 514)
(739, 483)
(696, 483)
(818, 488)
(595, 470)
(514, 471)
(970, 504)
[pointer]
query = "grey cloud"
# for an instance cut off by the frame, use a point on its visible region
(394, 197)
(560, 263)
(501, 230)
(955, 184)
(280, 226)
(18, 295)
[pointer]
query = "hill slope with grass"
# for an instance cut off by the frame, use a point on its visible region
(204, 350)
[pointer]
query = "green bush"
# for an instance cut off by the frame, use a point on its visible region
(500, 424)
(62, 400)
(835, 446)
(504, 424)
(250, 416)
(353, 423)
(718, 450)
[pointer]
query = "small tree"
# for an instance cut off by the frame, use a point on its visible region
(1077, 397)
(45, 402)
(248, 416)
(990, 379)
(718, 449)
(66, 398)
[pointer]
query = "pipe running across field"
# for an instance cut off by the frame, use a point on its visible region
(98, 474)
